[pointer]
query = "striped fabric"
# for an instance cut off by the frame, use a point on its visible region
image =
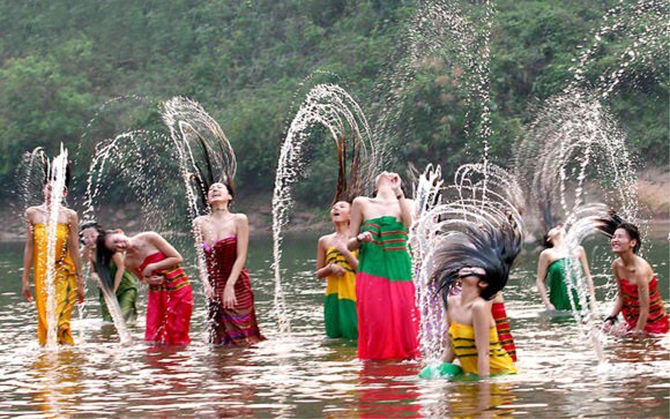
(169, 306)
(503, 329)
(388, 319)
(657, 321)
(463, 341)
(340, 301)
(236, 326)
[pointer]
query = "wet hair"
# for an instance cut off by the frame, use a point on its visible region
(349, 186)
(48, 175)
(206, 176)
(103, 259)
(546, 242)
(492, 249)
(612, 222)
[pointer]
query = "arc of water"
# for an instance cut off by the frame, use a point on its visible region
(188, 122)
(331, 107)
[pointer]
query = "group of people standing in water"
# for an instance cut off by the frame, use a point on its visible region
(370, 294)
(118, 261)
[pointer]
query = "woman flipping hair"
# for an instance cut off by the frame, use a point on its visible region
(388, 318)
(117, 278)
(479, 260)
(554, 266)
(338, 265)
(154, 261)
(638, 298)
(224, 236)
(68, 280)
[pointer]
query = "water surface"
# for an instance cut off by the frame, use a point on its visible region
(308, 375)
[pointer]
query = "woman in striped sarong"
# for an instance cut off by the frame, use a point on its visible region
(638, 298)
(338, 265)
(478, 259)
(224, 236)
(388, 318)
(154, 261)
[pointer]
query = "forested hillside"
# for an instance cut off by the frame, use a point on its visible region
(244, 61)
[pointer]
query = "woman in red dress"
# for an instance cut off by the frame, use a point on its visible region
(154, 261)
(224, 236)
(638, 298)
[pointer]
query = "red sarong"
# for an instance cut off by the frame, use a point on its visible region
(236, 326)
(502, 326)
(169, 306)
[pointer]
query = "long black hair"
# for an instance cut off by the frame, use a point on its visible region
(103, 258)
(206, 175)
(491, 248)
(612, 222)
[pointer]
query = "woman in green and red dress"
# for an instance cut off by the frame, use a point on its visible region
(388, 318)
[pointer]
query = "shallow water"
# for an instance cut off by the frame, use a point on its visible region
(307, 375)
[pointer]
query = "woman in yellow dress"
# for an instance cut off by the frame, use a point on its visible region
(68, 281)
(336, 264)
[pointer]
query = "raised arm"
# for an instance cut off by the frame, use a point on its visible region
(355, 222)
(242, 231)
(27, 259)
(542, 265)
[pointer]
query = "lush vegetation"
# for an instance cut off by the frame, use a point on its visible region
(245, 62)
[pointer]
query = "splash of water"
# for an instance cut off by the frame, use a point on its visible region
(468, 202)
(582, 225)
(574, 137)
(442, 35)
(331, 107)
(644, 24)
(199, 142)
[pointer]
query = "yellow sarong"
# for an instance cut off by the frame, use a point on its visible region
(65, 282)
(463, 341)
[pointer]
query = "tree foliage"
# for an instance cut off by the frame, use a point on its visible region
(61, 60)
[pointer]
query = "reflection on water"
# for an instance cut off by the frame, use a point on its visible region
(308, 375)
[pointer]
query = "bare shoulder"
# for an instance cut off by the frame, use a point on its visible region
(241, 218)
(72, 214)
(579, 251)
(360, 201)
(480, 305)
(199, 220)
(545, 255)
(645, 268)
(31, 213)
(148, 236)
(324, 241)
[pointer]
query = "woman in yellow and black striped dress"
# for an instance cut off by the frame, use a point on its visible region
(338, 265)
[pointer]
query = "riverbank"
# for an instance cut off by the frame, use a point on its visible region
(653, 187)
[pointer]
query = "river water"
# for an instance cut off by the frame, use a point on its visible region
(306, 375)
